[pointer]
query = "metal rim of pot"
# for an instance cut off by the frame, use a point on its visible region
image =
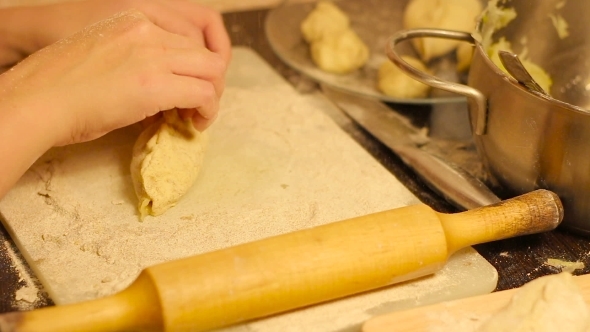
(476, 100)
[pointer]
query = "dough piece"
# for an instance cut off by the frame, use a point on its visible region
(460, 15)
(340, 53)
(325, 19)
(395, 83)
(550, 303)
(167, 158)
(334, 46)
(464, 54)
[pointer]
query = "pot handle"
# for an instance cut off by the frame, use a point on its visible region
(476, 100)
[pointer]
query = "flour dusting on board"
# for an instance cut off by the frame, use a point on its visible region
(28, 296)
(275, 164)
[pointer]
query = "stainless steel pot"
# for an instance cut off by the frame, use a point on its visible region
(526, 140)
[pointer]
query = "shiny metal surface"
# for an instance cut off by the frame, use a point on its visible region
(514, 67)
(455, 184)
(476, 101)
(531, 140)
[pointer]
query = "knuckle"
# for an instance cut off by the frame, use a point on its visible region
(219, 64)
(142, 28)
(208, 93)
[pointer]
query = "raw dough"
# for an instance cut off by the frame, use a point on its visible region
(464, 54)
(325, 19)
(167, 158)
(340, 53)
(460, 15)
(334, 46)
(395, 83)
(547, 304)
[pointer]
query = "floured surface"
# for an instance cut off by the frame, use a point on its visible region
(275, 163)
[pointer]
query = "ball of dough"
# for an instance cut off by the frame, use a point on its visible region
(167, 158)
(325, 19)
(550, 303)
(393, 82)
(460, 15)
(464, 54)
(340, 53)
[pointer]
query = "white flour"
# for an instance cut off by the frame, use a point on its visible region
(27, 297)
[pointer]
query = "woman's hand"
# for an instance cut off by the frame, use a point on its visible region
(28, 29)
(112, 74)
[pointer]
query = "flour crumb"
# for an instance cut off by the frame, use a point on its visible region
(27, 294)
(117, 202)
(565, 266)
(27, 297)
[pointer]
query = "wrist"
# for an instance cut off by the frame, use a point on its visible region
(29, 120)
(24, 137)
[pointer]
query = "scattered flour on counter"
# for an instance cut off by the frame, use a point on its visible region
(565, 266)
(26, 297)
(27, 294)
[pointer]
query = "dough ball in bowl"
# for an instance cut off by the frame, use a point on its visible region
(340, 53)
(325, 19)
(395, 83)
(458, 15)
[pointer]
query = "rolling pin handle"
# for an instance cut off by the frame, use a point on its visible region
(535, 212)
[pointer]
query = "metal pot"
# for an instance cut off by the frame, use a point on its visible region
(528, 140)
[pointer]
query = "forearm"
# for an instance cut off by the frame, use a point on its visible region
(25, 134)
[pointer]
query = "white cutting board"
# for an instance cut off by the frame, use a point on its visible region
(276, 163)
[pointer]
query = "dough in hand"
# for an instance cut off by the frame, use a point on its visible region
(393, 82)
(166, 161)
(334, 45)
(460, 15)
(547, 304)
(325, 19)
(340, 53)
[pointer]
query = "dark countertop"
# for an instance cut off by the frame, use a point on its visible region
(517, 260)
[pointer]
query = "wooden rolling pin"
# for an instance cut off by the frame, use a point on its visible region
(293, 270)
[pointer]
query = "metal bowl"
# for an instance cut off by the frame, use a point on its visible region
(527, 140)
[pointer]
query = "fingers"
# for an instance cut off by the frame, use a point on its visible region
(216, 36)
(195, 99)
(199, 122)
(174, 21)
(194, 21)
(174, 71)
(201, 64)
